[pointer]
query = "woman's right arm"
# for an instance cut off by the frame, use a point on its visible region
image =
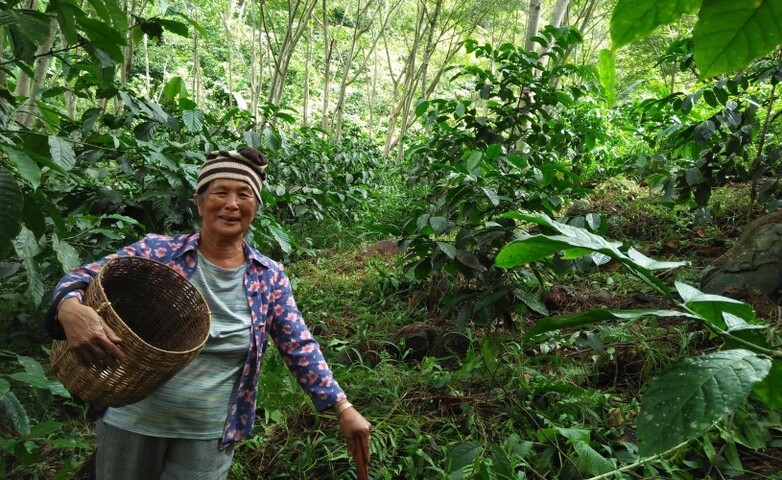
(87, 333)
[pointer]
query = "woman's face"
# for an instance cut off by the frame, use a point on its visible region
(227, 209)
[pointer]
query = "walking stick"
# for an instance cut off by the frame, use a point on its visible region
(361, 460)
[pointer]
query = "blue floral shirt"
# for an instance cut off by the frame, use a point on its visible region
(274, 314)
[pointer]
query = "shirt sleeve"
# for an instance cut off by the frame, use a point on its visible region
(299, 349)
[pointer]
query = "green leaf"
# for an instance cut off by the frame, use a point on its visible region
(590, 461)
(5, 387)
(175, 27)
(712, 307)
(66, 254)
(104, 37)
(45, 428)
(62, 152)
(737, 324)
(201, 30)
(194, 120)
(636, 19)
(447, 249)
(769, 390)
(462, 455)
(608, 75)
(26, 245)
(65, 16)
(439, 224)
(421, 107)
(11, 205)
(593, 316)
(491, 195)
(12, 409)
(27, 29)
(731, 33)
(282, 238)
(527, 250)
(27, 168)
(531, 301)
(689, 396)
(650, 264)
(175, 88)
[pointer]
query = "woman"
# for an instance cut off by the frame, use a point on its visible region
(188, 427)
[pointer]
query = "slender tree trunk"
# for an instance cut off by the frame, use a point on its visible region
(533, 22)
(430, 44)
(299, 14)
(307, 66)
(329, 42)
(127, 61)
(559, 11)
(29, 109)
(68, 96)
(358, 32)
(226, 21)
(147, 79)
(196, 71)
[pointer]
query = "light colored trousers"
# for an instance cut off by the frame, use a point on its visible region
(124, 455)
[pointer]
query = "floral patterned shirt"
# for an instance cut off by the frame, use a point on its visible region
(274, 314)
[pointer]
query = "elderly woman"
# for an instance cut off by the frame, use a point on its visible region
(187, 428)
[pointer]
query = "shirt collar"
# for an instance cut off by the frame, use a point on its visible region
(191, 245)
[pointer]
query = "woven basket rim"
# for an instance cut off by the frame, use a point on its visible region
(108, 305)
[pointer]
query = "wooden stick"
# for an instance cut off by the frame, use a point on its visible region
(361, 460)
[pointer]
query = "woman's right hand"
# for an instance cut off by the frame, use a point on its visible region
(88, 335)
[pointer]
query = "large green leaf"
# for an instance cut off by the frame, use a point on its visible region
(608, 75)
(769, 391)
(27, 29)
(689, 396)
(12, 409)
(635, 19)
(66, 254)
(593, 316)
(590, 461)
(175, 88)
(575, 241)
(26, 166)
(62, 152)
(462, 455)
(731, 33)
(194, 120)
(66, 12)
(103, 36)
(10, 207)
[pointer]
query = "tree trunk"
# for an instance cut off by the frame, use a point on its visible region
(358, 32)
(307, 66)
(329, 42)
(29, 109)
(299, 14)
(558, 14)
(226, 20)
(147, 79)
(451, 27)
(533, 22)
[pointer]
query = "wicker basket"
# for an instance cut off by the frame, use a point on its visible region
(163, 322)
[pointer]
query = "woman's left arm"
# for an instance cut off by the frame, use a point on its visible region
(356, 430)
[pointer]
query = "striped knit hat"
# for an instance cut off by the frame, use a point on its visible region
(246, 164)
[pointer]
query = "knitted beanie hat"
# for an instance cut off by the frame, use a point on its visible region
(246, 164)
